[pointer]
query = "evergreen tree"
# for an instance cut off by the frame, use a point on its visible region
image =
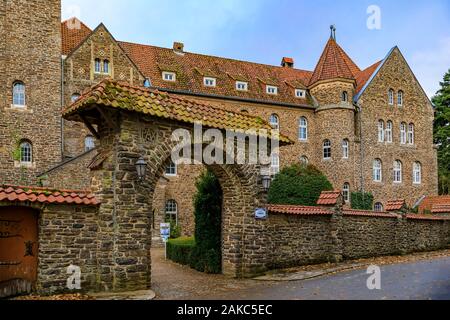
(442, 133)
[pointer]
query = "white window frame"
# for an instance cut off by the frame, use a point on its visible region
(345, 149)
(89, 143)
(403, 133)
(97, 66)
(274, 121)
(400, 97)
(28, 153)
(303, 129)
(241, 86)
(417, 173)
(274, 164)
(19, 94)
(391, 98)
(327, 151)
(411, 134)
(210, 82)
(398, 172)
(171, 170)
(378, 207)
(272, 90)
(300, 93)
(169, 76)
(377, 170)
(171, 210)
(389, 131)
(381, 132)
(346, 192)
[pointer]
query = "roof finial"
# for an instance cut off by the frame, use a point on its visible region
(333, 31)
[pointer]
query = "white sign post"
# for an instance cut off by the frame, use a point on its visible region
(165, 235)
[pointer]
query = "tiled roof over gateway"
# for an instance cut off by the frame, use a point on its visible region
(190, 68)
(120, 95)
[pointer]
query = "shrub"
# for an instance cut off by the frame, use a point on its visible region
(180, 250)
(362, 201)
(298, 185)
(175, 230)
(207, 254)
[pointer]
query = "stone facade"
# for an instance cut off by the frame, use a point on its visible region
(30, 53)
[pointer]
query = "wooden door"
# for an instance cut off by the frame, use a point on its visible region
(18, 250)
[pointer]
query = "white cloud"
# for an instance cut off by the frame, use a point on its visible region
(431, 64)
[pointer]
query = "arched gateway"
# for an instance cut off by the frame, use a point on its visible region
(131, 123)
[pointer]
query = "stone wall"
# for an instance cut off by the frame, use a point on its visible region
(307, 239)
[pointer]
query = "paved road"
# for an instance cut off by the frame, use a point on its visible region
(421, 280)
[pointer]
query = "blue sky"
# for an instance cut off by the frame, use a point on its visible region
(266, 30)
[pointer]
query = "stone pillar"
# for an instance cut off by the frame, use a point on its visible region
(401, 233)
(337, 220)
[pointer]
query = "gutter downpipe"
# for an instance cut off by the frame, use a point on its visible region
(362, 151)
(62, 105)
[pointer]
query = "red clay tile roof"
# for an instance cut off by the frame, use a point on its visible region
(299, 210)
(395, 205)
(440, 208)
(428, 203)
(426, 217)
(73, 32)
(46, 196)
(328, 198)
(121, 95)
(364, 76)
(365, 213)
(334, 63)
(190, 69)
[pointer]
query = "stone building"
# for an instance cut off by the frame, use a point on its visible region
(368, 129)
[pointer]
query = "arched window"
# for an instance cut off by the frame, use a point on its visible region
(378, 207)
(398, 171)
(74, 97)
(403, 135)
(345, 149)
(345, 96)
(106, 66)
(411, 133)
(303, 131)
(381, 131)
(417, 173)
(327, 149)
(391, 97)
(19, 94)
(346, 192)
(275, 164)
(275, 121)
(389, 128)
(26, 152)
(400, 98)
(172, 211)
(304, 160)
(377, 170)
(98, 66)
(89, 143)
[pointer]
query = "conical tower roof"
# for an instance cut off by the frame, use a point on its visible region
(334, 63)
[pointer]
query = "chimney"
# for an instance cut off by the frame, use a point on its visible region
(178, 47)
(287, 62)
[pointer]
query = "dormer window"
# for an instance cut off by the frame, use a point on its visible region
(299, 93)
(209, 82)
(241, 86)
(272, 90)
(169, 76)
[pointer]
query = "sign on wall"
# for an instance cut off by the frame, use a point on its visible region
(261, 214)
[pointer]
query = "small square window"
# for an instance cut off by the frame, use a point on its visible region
(241, 86)
(299, 93)
(209, 82)
(171, 170)
(169, 76)
(271, 90)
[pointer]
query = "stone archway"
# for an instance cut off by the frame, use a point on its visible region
(131, 123)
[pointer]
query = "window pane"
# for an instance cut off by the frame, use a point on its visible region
(19, 94)
(89, 143)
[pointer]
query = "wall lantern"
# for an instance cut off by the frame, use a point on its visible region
(266, 181)
(141, 168)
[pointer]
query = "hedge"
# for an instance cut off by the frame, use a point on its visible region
(180, 250)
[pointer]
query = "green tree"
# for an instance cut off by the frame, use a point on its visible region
(207, 253)
(442, 133)
(298, 185)
(362, 201)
